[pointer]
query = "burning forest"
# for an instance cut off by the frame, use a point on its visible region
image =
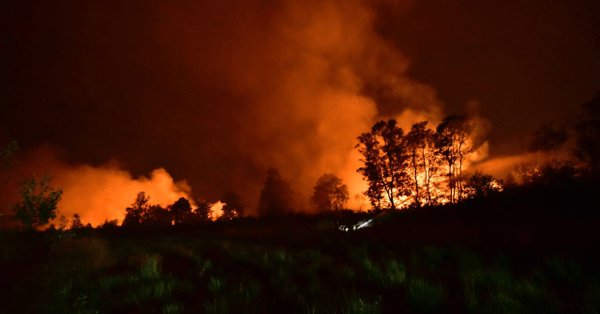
(360, 156)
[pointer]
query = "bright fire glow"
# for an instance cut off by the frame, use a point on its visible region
(102, 193)
(216, 210)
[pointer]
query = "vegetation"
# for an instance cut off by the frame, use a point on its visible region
(384, 161)
(38, 202)
(410, 170)
(275, 196)
(488, 254)
(330, 193)
(143, 214)
(294, 265)
(463, 244)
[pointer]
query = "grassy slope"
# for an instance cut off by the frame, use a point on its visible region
(528, 250)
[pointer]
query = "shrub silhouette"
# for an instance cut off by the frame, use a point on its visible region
(38, 202)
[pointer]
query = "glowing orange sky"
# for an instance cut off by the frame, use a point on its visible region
(216, 92)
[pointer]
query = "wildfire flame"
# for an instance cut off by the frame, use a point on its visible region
(216, 210)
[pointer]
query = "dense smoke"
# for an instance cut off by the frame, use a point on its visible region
(216, 93)
(308, 74)
(96, 193)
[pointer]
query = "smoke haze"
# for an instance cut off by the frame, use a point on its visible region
(214, 92)
(300, 71)
(96, 193)
(218, 92)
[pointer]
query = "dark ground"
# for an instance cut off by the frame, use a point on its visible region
(528, 250)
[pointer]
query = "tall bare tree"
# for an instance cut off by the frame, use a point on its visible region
(453, 144)
(424, 162)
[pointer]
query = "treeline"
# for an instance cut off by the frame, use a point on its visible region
(423, 166)
(181, 212)
(427, 166)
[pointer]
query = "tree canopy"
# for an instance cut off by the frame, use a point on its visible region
(330, 193)
(38, 202)
(275, 196)
(408, 170)
(384, 158)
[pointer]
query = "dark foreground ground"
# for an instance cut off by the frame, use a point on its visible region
(495, 255)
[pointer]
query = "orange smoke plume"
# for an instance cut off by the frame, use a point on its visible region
(96, 193)
(301, 70)
(102, 193)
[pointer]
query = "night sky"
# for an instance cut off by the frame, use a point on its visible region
(218, 92)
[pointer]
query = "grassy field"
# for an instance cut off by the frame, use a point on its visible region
(298, 265)
(527, 250)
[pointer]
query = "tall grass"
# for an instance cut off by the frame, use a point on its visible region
(163, 274)
(425, 296)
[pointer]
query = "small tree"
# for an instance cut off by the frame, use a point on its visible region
(180, 210)
(201, 212)
(275, 196)
(480, 185)
(76, 222)
(38, 202)
(134, 214)
(330, 193)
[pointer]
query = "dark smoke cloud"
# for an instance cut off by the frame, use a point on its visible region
(215, 92)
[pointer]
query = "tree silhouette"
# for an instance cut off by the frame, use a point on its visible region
(110, 224)
(452, 141)
(38, 202)
(385, 159)
(369, 147)
(423, 161)
(76, 222)
(233, 207)
(330, 193)
(134, 214)
(397, 165)
(480, 185)
(202, 212)
(156, 216)
(180, 210)
(275, 196)
(547, 173)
